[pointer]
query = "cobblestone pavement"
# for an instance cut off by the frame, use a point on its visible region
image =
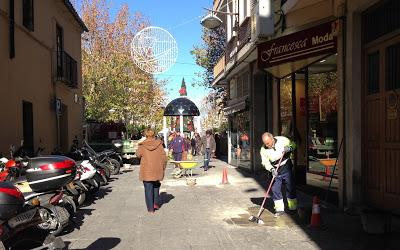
(205, 216)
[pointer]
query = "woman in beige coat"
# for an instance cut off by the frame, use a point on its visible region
(152, 166)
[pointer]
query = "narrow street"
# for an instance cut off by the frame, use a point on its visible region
(205, 216)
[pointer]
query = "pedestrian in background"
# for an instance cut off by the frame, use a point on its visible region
(187, 149)
(193, 145)
(198, 144)
(177, 146)
(152, 167)
(209, 148)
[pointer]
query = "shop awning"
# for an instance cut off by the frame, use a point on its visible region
(287, 54)
(237, 107)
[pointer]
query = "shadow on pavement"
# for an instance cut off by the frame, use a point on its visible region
(166, 198)
(78, 220)
(339, 230)
(103, 191)
(250, 190)
(99, 244)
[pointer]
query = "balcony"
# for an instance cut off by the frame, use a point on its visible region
(219, 67)
(67, 69)
(230, 49)
(244, 32)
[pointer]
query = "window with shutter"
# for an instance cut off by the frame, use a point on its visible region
(28, 14)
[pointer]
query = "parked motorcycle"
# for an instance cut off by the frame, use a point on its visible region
(17, 215)
(108, 157)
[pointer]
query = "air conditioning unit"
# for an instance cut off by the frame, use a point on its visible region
(262, 20)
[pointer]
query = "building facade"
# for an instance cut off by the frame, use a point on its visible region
(327, 77)
(41, 83)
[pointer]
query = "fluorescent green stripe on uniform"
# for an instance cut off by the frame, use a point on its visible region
(292, 204)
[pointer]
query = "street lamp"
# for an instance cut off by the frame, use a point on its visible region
(211, 21)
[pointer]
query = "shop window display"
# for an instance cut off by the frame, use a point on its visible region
(322, 124)
(315, 131)
(240, 140)
(286, 106)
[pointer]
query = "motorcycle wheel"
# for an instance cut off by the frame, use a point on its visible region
(81, 198)
(107, 171)
(60, 216)
(69, 204)
(115, 166)
(101, 179)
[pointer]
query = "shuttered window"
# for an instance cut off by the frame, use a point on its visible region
(28, 14)
(373, 73)
(380, 20)
(232, 90)
(245, 83)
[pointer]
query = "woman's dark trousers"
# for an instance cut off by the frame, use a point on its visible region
(152, 194)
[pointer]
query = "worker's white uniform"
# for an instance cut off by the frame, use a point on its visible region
(270, 159)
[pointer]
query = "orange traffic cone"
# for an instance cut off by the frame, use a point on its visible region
(316, 214)
(224, 176)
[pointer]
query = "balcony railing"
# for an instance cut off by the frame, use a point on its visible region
(230, 49)
(219, 67)
(244, 32)
(67, 69)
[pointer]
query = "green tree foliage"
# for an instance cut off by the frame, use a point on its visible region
(207, 55)
(113, 87)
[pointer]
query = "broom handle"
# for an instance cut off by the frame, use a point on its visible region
(269, 188)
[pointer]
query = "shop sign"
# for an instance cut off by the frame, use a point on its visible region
(315, 41)
(235, 108)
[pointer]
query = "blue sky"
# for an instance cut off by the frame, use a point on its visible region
(182, 19)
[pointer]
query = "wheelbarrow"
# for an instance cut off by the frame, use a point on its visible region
(185, 168)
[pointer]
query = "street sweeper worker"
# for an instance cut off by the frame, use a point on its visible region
(271, 152)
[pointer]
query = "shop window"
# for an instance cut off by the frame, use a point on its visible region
(373, 73)
(393, 67)
(240, 140)
(28, 14)
(322, 129)
(286, 106)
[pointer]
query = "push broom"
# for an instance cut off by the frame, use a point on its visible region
(257, 218)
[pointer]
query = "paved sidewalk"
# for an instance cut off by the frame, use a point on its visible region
(205, 216)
